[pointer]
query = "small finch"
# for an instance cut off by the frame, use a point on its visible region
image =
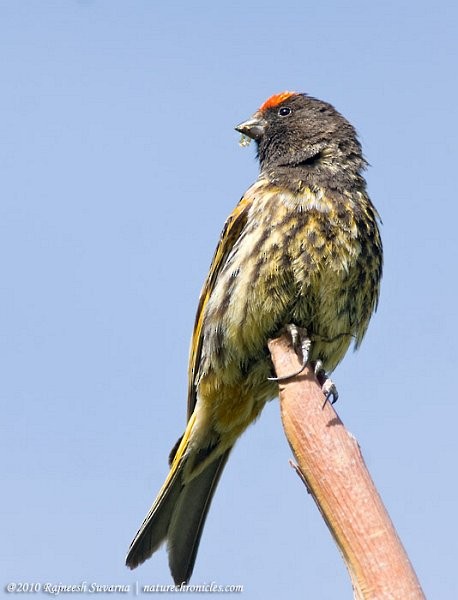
(301, 247)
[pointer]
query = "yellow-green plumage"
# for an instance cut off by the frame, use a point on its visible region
(307, 259)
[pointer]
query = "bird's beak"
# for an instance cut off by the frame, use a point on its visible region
(254, 128)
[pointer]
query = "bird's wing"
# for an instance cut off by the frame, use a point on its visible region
(230, 234)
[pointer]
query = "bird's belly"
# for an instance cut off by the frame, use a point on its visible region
(307, 275)
(255, 296)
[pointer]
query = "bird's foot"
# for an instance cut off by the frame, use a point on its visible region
(301, 344)
(327, 385)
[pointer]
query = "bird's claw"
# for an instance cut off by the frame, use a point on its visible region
(327, 385)
(301, 344)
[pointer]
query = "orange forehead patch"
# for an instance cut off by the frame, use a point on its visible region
(276, 99)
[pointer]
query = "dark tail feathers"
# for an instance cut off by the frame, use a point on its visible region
(178, 515)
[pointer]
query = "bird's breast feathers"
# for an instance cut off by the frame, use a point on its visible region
(297, 256)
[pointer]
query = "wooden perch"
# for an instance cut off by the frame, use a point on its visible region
(332, 467)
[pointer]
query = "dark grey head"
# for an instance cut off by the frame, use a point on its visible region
(302, 138)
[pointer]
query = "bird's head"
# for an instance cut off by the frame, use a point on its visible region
(296, 131)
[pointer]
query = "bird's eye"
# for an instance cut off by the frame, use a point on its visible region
(284, 111)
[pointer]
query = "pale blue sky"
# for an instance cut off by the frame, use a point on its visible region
(118, 167)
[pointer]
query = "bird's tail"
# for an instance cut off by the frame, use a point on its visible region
(178, 514)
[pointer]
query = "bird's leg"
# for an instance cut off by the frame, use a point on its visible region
(327, 385)
(301, 344)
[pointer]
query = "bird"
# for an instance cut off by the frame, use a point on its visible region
(301, 247)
